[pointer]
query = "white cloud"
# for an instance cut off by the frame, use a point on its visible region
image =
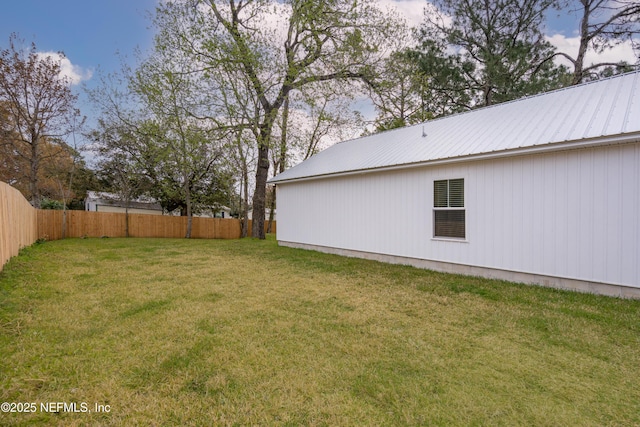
(570, 45)
(411, 10)
(74, 73)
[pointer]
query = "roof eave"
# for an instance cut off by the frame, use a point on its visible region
(522, 151)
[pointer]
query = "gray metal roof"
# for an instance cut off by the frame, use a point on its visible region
(587, 113)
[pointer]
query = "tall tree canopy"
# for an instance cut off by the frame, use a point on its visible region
(401, 95)
(188, 169)
(480, 52)
(149, 140)
(37, 111)
(275, 47)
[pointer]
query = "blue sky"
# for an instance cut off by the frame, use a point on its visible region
(89, 32)
(95, 35)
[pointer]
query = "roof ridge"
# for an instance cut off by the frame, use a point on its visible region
(486, 107)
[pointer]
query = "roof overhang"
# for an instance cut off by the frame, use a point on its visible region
(626, 138)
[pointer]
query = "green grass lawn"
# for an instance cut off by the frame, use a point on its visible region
(202, 332)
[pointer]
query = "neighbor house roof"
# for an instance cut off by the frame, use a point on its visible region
(600, 112)
(112, 199)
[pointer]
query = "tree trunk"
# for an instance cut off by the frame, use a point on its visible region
(488, 95)
(36, 199)
(272, 208)
(64, 222)
(282, 157)
(260, 193)
(189, 215)
(244, 230)
(126, 219)
(244, 187)
(584, 44)
(262, 174)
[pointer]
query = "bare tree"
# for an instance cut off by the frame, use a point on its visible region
(243, 157)
(603, 24)
(38, 105)
(311, 119)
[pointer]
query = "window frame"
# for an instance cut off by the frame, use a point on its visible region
(449, 208)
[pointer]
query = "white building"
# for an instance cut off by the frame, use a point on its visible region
(541, 190)
(100, 201)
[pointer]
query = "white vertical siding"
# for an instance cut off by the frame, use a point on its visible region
(630, 220)
(572, 214)
(613, 229)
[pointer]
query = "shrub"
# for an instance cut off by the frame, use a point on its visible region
(51, 204)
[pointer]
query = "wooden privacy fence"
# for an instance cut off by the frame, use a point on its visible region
(18, 226)
(21, 225)
(99, 224)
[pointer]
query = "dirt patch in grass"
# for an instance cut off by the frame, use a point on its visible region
(178, 332)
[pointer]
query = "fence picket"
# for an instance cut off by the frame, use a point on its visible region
(18, 223)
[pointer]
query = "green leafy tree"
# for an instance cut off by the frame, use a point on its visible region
(487, 51)
(152, 128)
(118, 166)
(275, 48)
(51, 204)
(187, 152)
(401, 94)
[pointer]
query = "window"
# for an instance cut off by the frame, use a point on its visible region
(448, 208)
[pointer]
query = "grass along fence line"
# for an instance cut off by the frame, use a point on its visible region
(243, 332)
(21, 225)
